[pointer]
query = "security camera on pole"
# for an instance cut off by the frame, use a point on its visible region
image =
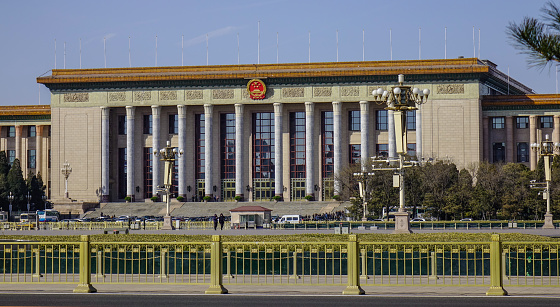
(400, 99)
(546, 150)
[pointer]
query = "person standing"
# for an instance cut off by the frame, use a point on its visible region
(215, 220)
(221, 219)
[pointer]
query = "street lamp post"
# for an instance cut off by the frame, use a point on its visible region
(66, 171)
(10, 199)
(546, 150)
(168, 155)
(362, 186)
(400, 99)
(28, 196)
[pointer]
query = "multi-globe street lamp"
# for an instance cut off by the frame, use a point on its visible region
(546, 150)
(66, 171)
(28, 197)
(10, 199)
(400, 99)
(168, 154)
(362, 186)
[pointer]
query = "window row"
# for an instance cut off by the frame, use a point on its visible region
(31, 131)
(499, 152)
(522, 122)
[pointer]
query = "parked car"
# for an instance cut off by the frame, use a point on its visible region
(467, 219)
(418, 219)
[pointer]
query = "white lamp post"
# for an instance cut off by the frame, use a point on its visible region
(546, 150)
(28, 196)
(168, 155)
(401, 98)
(10, 199)
(66, 171)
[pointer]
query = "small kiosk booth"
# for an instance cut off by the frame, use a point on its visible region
(250, 217)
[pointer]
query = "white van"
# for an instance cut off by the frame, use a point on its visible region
(290, 219)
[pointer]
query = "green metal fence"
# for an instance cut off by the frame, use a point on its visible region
(219, 264)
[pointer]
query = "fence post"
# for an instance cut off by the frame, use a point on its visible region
(216, 272)
(364, 275)
(85, 267)
(37, 253)
(163, 263)
(433, 261)
(496, 275)
(353, 268)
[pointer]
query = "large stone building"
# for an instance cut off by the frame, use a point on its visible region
(238, 140)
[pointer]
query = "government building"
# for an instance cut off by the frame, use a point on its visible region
(259, 131)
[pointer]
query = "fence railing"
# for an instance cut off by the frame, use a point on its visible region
(218, 264)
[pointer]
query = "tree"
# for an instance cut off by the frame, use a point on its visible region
(36, 190)
(458, 199)
(436, 179)
(16, 185)
(540, 40)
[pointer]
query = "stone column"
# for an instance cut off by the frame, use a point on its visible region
(208, 150)
(105, 111)
(533, 139)
(309, 147)
(485, 140)
(419, 133)
(39, 150)
(556, 131)
(130, 166)
(364, 129)
(239, 156)
(278, 151)
(19, 130)
(182, 135)
(510, 144)
(337, 118)
(156, 177)
(391, 131)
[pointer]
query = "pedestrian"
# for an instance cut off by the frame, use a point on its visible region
(221, 219)
(215, 220)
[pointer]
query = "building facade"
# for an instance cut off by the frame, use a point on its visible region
(259, 131)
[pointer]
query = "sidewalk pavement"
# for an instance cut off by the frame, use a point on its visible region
(295, 290)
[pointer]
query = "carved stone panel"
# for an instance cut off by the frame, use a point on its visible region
(450, 89)
(193, 94)
(117, 96)
(142, 96)
(349, 91)
(76, 97)
(222, 94)
(322, 91)
(168, 95)
(293, 92)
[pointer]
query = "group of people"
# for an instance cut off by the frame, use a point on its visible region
(332, 216)
(219, 219)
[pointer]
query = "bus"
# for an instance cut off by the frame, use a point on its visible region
(27, 217)
(3, 216)
(48, 215)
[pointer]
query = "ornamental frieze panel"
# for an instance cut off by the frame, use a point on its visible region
(168, 95)
(450, 89)
(322, 91)
(142, 96)
(117, 96)
(293, 92)
(76, 97)
(350, 91)
(222, 94)
(193, 94)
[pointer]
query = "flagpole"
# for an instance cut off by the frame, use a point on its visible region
(419, 43)
(156, 50)
(182, 48)
(391, 42)
(237, 48)
(445, 44)
(105, 51)
(276, 47)
(363, 45)
(80, 53)
(64, 55)
(259, 42)
(55, 53)
(129, 57)
(337, 45)
(309, 55)
(206, 49)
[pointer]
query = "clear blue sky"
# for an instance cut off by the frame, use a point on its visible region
(28, 30)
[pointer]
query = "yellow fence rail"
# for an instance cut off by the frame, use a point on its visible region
(350, 263)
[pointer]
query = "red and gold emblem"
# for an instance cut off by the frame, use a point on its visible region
(256, 89)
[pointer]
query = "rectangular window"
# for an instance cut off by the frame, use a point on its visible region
(11, 156)
(411, 149)
(354, 120)
(122, 124)
(382, 150)
(31, 158)
(122, 173)
(498, 122)
(12, 131)
(297, 144)
(522, 152)
(522, 122)
(499, 152)
(173, 124)
(148, 124)
(227, 135)
(411, 120)
(547, 122)
(381, 120)
(327, 119)
(31, 131)
(199, 141)
(355, 153)
(263, 156)
(148, 172)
